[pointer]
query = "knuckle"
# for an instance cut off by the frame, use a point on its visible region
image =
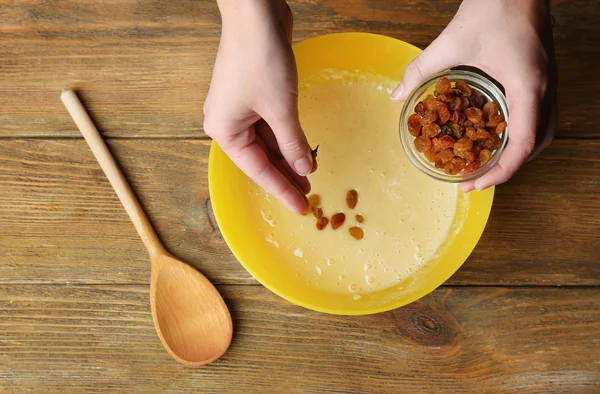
(504, 178)
(284, 110)
(292, 146)
(416, 67)
(286, 192)
(209, 126)
(536, 81)
(528, 147)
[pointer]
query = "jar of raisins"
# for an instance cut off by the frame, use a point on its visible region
(454, 126)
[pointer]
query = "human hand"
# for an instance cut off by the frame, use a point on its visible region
(510, 40)
(252, 106)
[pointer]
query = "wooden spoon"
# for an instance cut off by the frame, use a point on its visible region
(190, 316)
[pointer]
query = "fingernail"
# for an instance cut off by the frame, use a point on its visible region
(397, 93)
(304, 165)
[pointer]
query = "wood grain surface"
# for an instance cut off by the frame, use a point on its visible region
(58, 210)
(521, 314)
(144, 67)
(100, 338)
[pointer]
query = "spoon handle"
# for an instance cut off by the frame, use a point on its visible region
(112, 171)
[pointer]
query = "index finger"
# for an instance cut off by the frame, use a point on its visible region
(247, 151)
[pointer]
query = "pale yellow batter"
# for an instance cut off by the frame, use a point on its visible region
(407, 214)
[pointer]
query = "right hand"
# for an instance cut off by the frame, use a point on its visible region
(511, 40)
(252, 106)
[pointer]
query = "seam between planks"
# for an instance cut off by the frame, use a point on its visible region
(197, 138)
(450, 286)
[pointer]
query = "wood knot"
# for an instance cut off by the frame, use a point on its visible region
(425, 325)
(428, 324)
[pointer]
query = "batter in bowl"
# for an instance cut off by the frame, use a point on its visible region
(407, 215)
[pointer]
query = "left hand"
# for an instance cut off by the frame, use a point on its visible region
(511, 40)
(252, 106)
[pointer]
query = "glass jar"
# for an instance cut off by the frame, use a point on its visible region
(477, 82)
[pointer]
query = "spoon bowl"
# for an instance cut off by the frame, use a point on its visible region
(190, 316)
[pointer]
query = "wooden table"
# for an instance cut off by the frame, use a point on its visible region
(522, 313)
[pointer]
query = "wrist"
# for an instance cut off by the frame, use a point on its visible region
(535, 12)
(237, 12)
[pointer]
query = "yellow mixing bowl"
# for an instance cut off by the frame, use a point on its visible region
(228, 186)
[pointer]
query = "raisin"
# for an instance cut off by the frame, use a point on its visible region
(465, 103)
(501, 127)
(455, 103)
(457, 131)
(314, 200)
(463, 145)
(483, 134)
(496, 142)
(438, 162)
(446, 130)
(423, 144)
(430, 156)
(443, 115)
(446, 142)
(458, 116)
(476, 149)
(318, 212)
(451, 169)
(446, 155)
(443, 86)
(357, 233)
(474, 114)
(477, 100)
(446, 97)
(490, 109)
(429, 117)
(359, 218)
(431, 130)
(352, 198)
(457, 92)
(472, 167)
(486, 144)
(420, 108)
(494, 121)
(485, 156)
(464, 88)
(469, 156)
(466, 123)
(479, 125)
(459, 162)
(322, 223)
(337, 220)
(435, 145)
(414, 125)
(432, 104)
(471, 133)
(490, 144)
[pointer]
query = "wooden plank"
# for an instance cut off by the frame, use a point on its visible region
(98, 338)
(144, 67)
(61, 222)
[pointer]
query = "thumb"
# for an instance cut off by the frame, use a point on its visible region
(291, 140)
(439, 56)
